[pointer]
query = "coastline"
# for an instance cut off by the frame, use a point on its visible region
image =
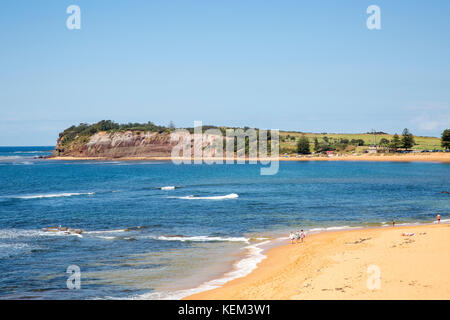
(334, 265)
(442, 157)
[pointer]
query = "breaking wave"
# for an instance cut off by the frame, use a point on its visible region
(202, 239)
(167, 188)
(193, 197)
(53, 195)
(241, 268)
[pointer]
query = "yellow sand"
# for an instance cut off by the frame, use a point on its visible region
(334, 265)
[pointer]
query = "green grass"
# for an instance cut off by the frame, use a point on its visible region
(422, 143)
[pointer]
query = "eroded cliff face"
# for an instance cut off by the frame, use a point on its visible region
(130, 144)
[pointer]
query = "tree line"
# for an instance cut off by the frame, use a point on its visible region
(406, 141)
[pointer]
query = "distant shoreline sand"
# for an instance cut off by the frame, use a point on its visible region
(334, 265)
(421, 157)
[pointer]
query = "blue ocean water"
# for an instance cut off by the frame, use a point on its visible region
(143, 242)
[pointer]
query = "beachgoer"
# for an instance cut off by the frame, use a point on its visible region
(292, 237)
(438, 217)
(302, 235)
(393, 223)
(297, 236)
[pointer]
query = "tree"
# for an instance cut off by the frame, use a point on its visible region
(316, 144)
(395, 142)
(357, 142)
(303, 145)
(407, 139)
(384, 142)
(445, 142)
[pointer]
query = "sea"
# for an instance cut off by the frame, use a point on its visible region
(158, 230)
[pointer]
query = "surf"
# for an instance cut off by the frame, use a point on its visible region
(193, 197)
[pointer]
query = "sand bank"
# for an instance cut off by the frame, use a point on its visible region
(339, 265)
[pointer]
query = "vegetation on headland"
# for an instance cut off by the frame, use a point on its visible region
(84, 130)
(359, 143)
(445, 139)
(291, 142)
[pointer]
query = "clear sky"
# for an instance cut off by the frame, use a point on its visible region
(297, 65)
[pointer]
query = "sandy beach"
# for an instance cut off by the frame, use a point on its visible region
(412, 157)
(340, 264)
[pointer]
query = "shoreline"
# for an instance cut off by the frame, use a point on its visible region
(441, 157)
(300, 271)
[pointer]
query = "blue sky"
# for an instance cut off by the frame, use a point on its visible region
(294, 65)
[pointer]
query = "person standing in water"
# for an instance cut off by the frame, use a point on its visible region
(438, 217)
(302, 235)
(393, 223)
(292, 237)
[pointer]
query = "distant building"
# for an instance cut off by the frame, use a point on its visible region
(377, 149)
(372, 149)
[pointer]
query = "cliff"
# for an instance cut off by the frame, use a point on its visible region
(117, 145)
(91, 141)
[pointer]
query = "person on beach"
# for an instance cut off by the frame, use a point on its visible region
(292, 237)
(393, 223)
(297, 236)
(302, 235)
(438, 217)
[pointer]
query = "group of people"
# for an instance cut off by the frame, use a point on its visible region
(297, 236)
(438, 219)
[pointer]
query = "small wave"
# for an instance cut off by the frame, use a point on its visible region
(22, 233)
(6, 158)
(23, 163)
(241, 268)
(11, 249)
(333, 228)
(115, 238)
(106, 237)
(202, 239)
(115, 230)
(193, 197)
(104, 231)
(167, 188)
(44, 151)
(61, 233)
(53, 195)
(443, 221)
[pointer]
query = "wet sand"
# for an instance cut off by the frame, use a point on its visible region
(341, 264)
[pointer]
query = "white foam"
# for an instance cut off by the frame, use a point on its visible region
(18, 233)
(168, 188)
(24, 163)
(11, 249)
(443, 221)
(106, 237)
(53, 195)
(202, 239)
(104, 231)
(61, 233)
(333, 228)
(17, 152)
(228, 196)
(241, 268)
(6, 158)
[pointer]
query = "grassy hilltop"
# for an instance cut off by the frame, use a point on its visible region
(288, 144)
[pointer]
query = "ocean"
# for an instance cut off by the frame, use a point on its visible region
(156, 230)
